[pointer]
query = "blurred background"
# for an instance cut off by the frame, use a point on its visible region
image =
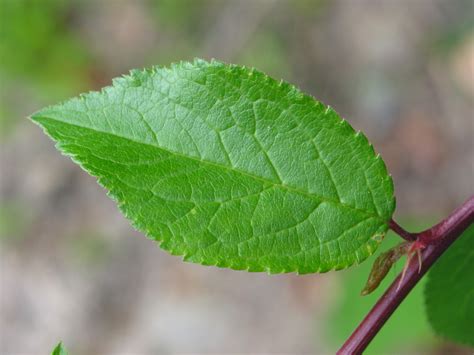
(73, 269)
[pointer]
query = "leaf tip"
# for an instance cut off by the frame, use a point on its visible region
(36, 116)
(59, 349)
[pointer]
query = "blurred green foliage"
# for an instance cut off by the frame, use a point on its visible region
(36, 44)
(267, 53)
(449, 293)
(14, 221)
(181, 15)
(88, 248)
(445, 43)
(41, 57)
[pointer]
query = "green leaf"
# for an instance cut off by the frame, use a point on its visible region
(228, 167)
(59, 349)
(449, 291)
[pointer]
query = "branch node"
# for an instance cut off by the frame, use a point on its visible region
(434, 242)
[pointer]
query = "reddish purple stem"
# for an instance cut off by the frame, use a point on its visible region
(400, 231)
(437, 239)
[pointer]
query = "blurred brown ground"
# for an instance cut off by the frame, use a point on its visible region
(72, 268)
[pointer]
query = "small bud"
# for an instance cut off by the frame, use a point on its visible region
(382, 265)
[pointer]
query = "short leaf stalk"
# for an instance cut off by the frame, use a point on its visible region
(433, 242)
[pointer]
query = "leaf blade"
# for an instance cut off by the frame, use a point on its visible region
(227, 167)
(449, 295)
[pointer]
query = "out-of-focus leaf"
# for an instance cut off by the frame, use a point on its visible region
(449, 291)
(59, 349)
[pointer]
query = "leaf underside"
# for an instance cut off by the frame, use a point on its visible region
(449, 291)
(225, 166)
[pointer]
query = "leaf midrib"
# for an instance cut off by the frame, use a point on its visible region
(37, 118)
